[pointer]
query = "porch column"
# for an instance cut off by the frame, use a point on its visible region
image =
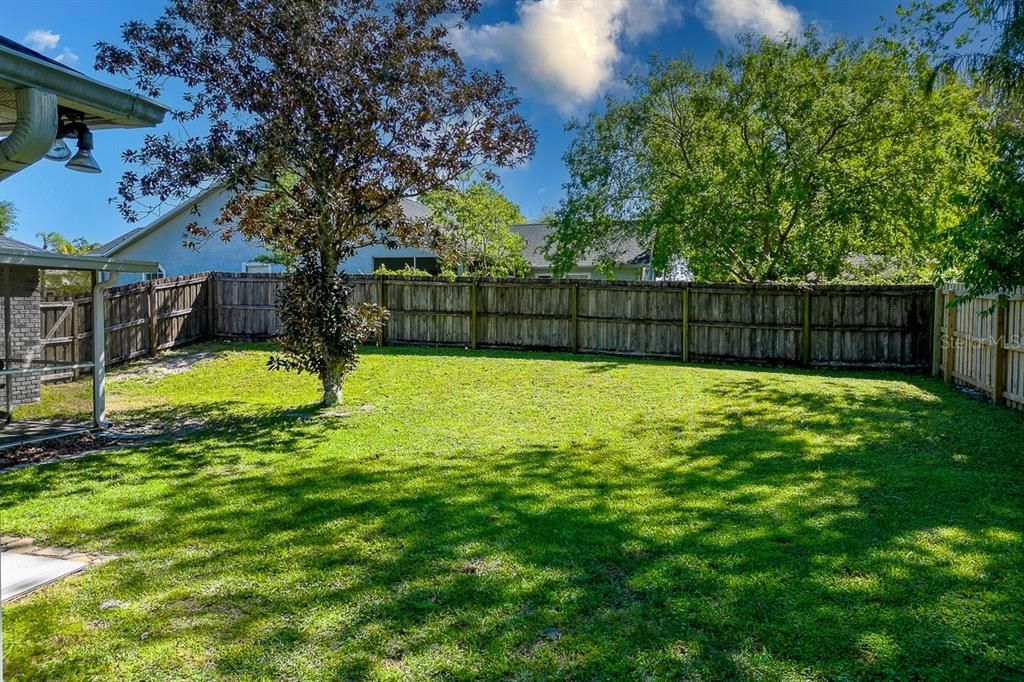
(8, 363)
(99, 350)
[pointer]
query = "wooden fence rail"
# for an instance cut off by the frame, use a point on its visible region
(824, 326)
(904, 327)
(142, 319)
(820, 326)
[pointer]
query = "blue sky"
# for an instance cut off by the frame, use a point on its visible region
(562, 54)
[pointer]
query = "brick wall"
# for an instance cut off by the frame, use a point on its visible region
(25, 330)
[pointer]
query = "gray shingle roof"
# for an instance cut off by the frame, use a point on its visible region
(106, 249)
(627, 252)
(8, 243)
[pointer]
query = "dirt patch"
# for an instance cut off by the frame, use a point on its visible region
(56, 449)
(80, 445)
(162, 366)
(329, 413)
(26, 545)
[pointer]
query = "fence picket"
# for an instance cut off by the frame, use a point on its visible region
(820, 326)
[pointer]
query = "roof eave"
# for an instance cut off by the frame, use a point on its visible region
(180, 209)
(59, 261)
(107, 106)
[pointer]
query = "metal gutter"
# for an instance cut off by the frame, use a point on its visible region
(60, 261)
(112, 106)
(33, 132)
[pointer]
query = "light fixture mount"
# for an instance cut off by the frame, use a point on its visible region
(83, 161)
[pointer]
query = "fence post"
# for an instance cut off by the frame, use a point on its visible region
(685, 340)
(472, 315)
(151, 313)
(75, 350)
(938, 308)
(805, 339)
(382, 303)
(574, 301)
(999, 353)
(947, 372)
(211, 304)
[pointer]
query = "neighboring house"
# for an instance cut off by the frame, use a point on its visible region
(632, 261)
(163, 240)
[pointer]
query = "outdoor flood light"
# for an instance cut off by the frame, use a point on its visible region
(59, 151)
(83, 160)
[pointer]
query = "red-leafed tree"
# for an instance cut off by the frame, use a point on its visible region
(319, 117)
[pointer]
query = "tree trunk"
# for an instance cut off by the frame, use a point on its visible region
(331, 377)
(332, 390)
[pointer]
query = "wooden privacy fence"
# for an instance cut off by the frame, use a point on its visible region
(903, 327)
(142, 318)
(982, 343)
(824, 326)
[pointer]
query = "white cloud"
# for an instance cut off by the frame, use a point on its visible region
(41, 39)
(67, 57)
(730, 17)
(566, 50)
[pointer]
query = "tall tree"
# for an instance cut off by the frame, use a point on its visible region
(986, 250)
(322, 116)
(984, 39)
(477, 217)
(783, 160)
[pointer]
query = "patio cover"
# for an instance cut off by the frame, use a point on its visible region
(19, 254)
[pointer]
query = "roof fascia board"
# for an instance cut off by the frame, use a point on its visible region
(60, 261)
(159, 222)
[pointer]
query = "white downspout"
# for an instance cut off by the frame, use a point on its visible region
(33, 133)
(99, 350)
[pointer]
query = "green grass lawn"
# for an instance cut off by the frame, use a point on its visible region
(529, 516)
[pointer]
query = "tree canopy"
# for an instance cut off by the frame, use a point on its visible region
(320, 117)
(784, 160)
(66, 281)
(58, 243)
(477, 218)
(8, 216)
(983, 39)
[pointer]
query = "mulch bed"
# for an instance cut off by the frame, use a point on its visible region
(55, 449)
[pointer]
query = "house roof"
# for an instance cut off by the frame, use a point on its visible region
(14, 252)
(18, 47)
(113, 245)
(131, 236)
(413, 209)
(8, 243)
(627, 252)
(101, 105)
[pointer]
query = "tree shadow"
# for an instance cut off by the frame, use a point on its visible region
(797, 533)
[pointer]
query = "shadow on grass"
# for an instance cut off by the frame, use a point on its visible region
(734, 545)
(599, 363)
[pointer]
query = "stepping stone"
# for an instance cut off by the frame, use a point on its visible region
(10, 542)
(22, 573)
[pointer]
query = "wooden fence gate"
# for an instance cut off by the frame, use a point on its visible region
(142, 319)
(982, 343)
